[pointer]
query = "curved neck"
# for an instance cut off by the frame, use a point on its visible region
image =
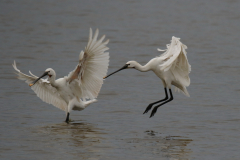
(52, 80)
(144, 68)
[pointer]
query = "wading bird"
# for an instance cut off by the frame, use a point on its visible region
(171, 67)
(80, 88)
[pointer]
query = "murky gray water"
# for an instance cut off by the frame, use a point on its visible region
(42, 34)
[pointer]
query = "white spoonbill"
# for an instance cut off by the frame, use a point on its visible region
(171, 67)
(80, 88)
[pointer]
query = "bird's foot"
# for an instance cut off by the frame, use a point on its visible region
(69, 120)
(153, 111)
(148, 108)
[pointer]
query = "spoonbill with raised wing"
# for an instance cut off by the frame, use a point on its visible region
(81, 87)
(171, 67)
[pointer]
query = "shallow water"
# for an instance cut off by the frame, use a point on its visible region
(43, 34)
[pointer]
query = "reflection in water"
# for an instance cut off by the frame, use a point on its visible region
(85, 140)
(173, 147)
(84, 137)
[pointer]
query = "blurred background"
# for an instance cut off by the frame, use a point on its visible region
(51, 33)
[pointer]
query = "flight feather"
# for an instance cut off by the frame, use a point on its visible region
(43, 89)
(87, 78)
(175, 60)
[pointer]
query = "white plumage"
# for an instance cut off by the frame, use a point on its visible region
(80, 88)
(171, 67)
(175, 60)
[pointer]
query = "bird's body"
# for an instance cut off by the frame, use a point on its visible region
(167, 77)
(171, 67)
(69, 94)
(81, 87)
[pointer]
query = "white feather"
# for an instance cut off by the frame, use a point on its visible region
(91, 69)
(43, 89)
(175, 60)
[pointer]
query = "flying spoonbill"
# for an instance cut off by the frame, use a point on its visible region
(81, 87)
(171, 67)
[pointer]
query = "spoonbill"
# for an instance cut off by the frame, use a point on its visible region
(82, 85)
(171, 67)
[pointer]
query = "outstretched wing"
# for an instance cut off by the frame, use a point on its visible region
(44, 90)
(175, 60)
(87, 78)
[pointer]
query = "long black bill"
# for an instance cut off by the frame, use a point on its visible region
(124, 67)
(44, 74)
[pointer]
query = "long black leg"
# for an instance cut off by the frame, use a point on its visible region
(155, 108)
(151, 104)
(67, 119)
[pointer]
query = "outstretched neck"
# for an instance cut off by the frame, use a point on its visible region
(144, 68)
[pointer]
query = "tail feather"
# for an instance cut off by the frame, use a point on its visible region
(184, 90)
(181, 88)
(87, 103)
(76, 105)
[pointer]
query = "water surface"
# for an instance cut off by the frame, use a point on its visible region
(43, 34)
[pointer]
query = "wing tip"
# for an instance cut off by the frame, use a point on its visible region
(161, 50)
(106, 42)
(14, 63)
(15, 66)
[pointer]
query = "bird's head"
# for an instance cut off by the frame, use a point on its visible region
(48, 72)
(129, 64)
